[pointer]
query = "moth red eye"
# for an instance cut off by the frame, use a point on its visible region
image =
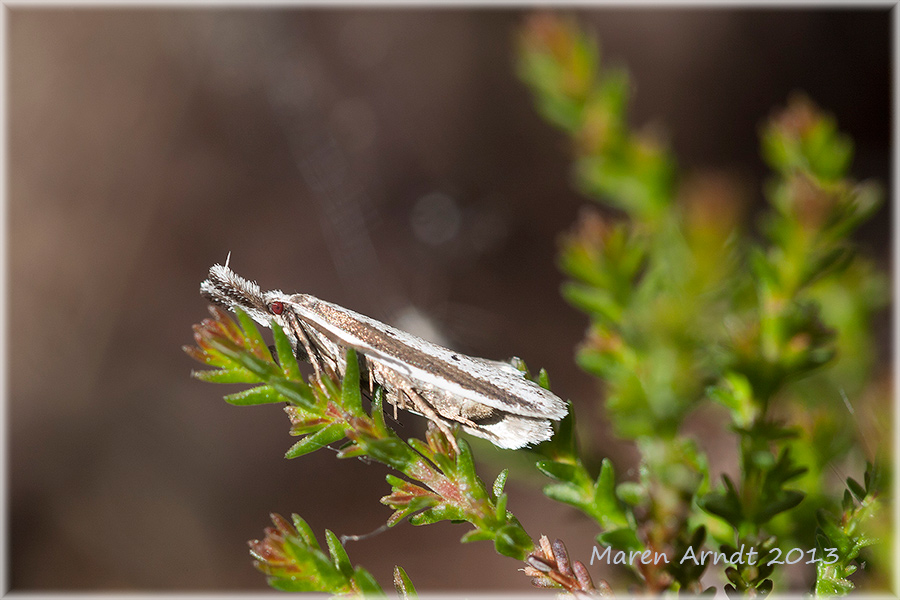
(277, 307)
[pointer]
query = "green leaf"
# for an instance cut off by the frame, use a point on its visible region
(351, 397)
(305, 531)
(365, 584)
(254, 338)
(725, 504)
(562, 446)
(856, 489)
(285, 352)
(499, 483)
(394, 481)
(847, 502)
(423, 449)
(477, 535)
(623, 538)
(377, 410)
(784, 501)
(557, 471)
(296, 392)
(831, 527)
(501, 507)
(391, 451)
(630, 493)
(283, 584)
(511, 540)
(543, 379)
(403, 584)
(438, 513)
(315, 441)
(338, 554)
(606, 502)
(226, 375)
(465, 461)
(567, 494)
(263, 394)
(259, 367)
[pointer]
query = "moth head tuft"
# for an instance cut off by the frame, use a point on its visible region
(228, 289)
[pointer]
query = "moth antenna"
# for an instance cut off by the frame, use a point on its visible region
(227, 259)
(355, 538)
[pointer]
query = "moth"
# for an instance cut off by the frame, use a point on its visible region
(488, 399)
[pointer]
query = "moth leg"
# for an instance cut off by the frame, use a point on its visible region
(330, 369)
(426, 409)
(301, 335)
(391, 383)
(466, 421)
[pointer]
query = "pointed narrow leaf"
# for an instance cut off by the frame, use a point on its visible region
(501, 506)
(226, 375)
(544, 379)
(395, 481)
(620, 539)
(296, 392)
(365, 584)
(476, 535)
(261, 394)
(847, 502)
(422, 448)
(786, 500)
(403, 584)
(511, 540)
(567, 494)
(285, 352)
(378, 411)
(256, 365)
(500, 482)
(438, 513)
(856, 489)
(465, 461)
(317, 440)
(558, 471)
(251, 333)
(283, 584)
(338, 554)
(606, 503)
(561, 447)
(303, 530)
(351, 397)
(630, 493)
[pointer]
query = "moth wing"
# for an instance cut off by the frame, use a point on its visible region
(517, 394)
(511, 392)
(513, 431)
(522, 396)
(429, 366)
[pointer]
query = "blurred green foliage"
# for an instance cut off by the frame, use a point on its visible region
(688, 310)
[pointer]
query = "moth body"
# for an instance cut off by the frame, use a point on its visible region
(488, 399)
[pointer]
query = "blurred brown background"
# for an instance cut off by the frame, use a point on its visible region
(387, 160)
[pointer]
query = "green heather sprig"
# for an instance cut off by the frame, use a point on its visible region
(294, 562)
(440, 483)
(686, 310)
(861, 514)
